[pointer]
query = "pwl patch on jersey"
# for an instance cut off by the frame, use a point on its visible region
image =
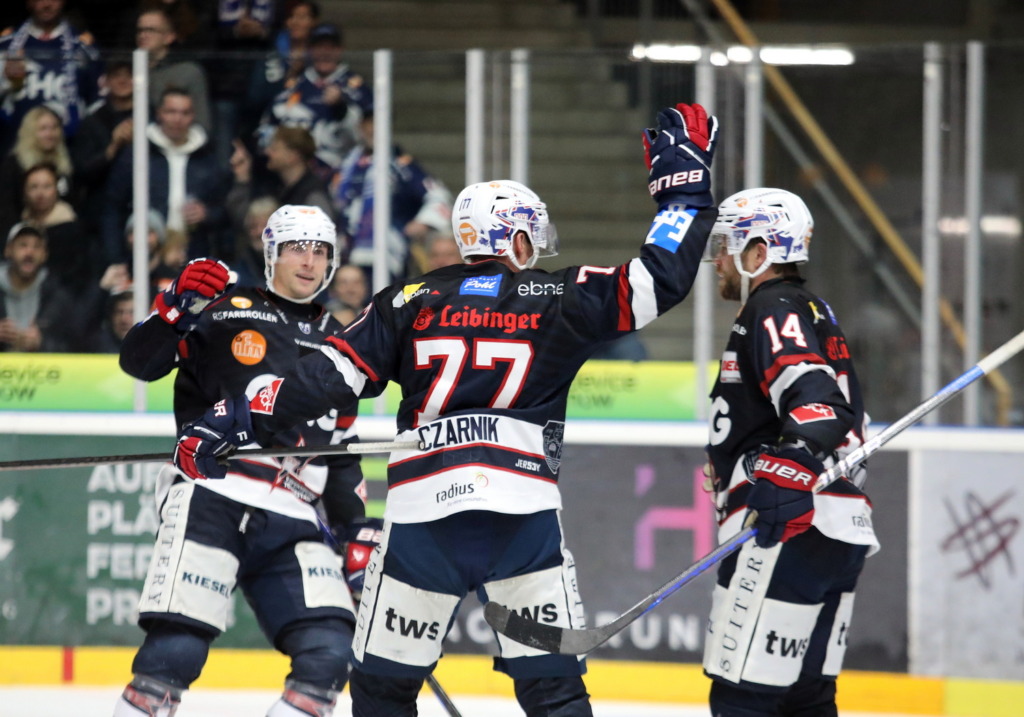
(553, 433)
(811, 412)
(730, 371)
(481, 285)
(669, 228)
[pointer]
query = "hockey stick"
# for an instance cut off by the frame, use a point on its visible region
(443, 697)
(566, 641)
(369, 447)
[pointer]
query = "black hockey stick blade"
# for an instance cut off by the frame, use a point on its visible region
(281, 452)
(566, 641)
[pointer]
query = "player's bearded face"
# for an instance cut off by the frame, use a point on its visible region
(728, 277)
(300, 269)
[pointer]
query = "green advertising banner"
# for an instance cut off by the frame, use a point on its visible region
(616, 390)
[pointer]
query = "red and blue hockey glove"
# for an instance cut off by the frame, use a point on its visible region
(782, 495)
(200, 282)
(361, 538)
(678, 155)
(204, 444)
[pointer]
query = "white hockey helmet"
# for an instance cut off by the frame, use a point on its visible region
(777, 217)
(487, 216)
(299, 223)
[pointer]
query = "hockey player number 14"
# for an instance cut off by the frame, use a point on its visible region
(790, 329)
(486, 354)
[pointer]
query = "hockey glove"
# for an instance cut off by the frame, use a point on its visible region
(200, 282)
(205, 444)
(362, 536)
(678, 155)
(783, 496)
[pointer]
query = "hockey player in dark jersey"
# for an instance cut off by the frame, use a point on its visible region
(257, 527)
(484, 353)
(786, 404)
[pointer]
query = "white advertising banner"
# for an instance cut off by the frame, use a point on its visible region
(967, 564)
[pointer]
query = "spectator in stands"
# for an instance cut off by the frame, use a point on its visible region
(40, 139)
(69, 246)
(155, 33)
(290, 180)
(36, 312)
(249, 263)
(45, 61)
(348, 293)
(191, 19)
(420, 206)
(117, 320)
(329, 100)
(244, 30)
(186, 185)
(104, 132)
(286, 62)
(442, 251)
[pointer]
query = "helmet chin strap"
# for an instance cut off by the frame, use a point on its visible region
(511, 254)
(746, 276)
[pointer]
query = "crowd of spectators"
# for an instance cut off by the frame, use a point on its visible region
(251, 106)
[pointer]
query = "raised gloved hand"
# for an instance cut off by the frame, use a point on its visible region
(200, 282)
(678, 155)
(204, 444)
(361, 537)
(783, 496)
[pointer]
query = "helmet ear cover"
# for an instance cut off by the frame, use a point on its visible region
(299, 223)
(488, 215)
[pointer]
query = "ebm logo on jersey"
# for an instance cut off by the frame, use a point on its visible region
(249, 347)
(481, 285)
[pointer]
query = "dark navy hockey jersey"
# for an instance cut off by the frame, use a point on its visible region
(485, 357)
(786, 374)
(241, 343)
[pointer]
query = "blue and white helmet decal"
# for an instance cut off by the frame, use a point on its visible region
(777, 217)
(487, 216)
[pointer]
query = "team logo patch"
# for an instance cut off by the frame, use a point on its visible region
(304, 327)
(811, 412)
(553, 433)
(240, 302)
(467, 234)
(423, 318)
(249, 347)
(730, 370)
(481, 286)
(266, 398)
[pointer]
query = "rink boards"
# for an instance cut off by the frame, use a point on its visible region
(944, 598)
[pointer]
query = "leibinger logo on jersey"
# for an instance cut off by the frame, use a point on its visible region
(509, 321)
(249, 347)
(481, 286)
(266, 398)
(449, 432)
(553, 434)
(423, 318)
(240, 302)
(730, 371)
